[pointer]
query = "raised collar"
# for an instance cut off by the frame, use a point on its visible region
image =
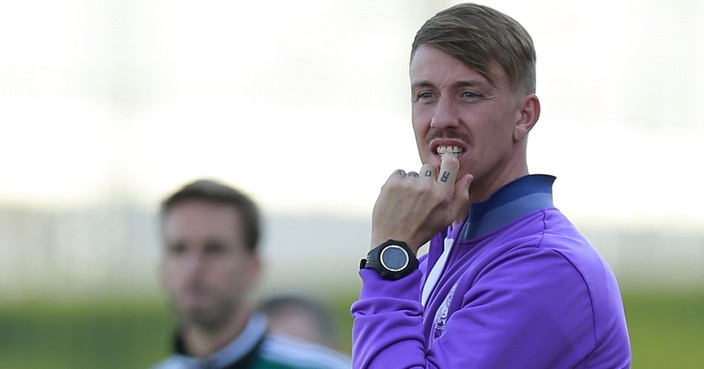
(517, 198)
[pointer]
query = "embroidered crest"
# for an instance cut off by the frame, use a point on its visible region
(442, 313)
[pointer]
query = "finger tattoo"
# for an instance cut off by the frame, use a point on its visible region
(428, 173)
(412, 174)
(445, 176)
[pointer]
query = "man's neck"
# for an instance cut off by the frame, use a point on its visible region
(482, 191)
(201, 342)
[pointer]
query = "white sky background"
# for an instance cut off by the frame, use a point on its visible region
(305, 104)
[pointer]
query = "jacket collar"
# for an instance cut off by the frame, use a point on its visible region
(512, 201)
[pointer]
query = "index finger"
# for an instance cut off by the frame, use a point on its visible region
(449, 166)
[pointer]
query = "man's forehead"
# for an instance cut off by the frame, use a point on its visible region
(431, 65)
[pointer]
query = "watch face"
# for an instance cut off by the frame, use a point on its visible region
(394, 258)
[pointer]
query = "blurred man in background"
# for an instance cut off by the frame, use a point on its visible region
(210, 266)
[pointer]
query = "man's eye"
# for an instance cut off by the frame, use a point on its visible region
(214, 248)
(470, 95)
(425, 95)
(176, 249)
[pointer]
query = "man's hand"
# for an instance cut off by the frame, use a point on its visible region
(412, 207)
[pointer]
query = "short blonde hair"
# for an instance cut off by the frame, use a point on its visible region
(477, 36)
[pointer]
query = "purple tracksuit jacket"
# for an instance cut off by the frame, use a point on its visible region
(520, 288)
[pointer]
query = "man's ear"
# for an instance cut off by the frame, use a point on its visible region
(528, 114)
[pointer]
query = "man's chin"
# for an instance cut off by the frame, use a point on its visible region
(202, 318)
(194, 312)
(203, 313)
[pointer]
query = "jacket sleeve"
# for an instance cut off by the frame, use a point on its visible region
(388, 320)
(529, 309)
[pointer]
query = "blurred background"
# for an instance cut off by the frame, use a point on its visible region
(107, 106)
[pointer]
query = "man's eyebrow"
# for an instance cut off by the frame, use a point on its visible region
(458, 84)
(214, 243)
(169, 245)
(422, 84)
(472, 83)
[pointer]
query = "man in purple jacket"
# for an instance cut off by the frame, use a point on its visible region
(508, 281)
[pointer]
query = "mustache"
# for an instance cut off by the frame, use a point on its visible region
(195, 287)
(447, 134)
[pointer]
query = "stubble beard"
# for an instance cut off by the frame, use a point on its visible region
(212, 318)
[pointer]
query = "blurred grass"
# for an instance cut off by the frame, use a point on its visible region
(666, 328)
(104, 334)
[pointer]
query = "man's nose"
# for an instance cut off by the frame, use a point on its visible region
(194, 263)
(445, 115)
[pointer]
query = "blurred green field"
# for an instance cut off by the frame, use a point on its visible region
(666, 327)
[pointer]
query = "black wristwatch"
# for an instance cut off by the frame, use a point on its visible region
(392, 260)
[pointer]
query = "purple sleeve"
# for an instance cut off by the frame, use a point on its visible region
(388, 320)
(528, 309)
